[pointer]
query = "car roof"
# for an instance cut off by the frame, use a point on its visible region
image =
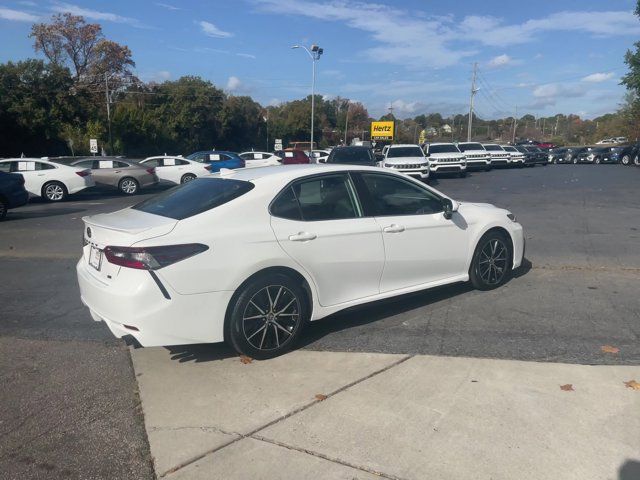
(441, 143)
(404, 145)
(289, 172)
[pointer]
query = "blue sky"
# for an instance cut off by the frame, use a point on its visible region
(543, 57)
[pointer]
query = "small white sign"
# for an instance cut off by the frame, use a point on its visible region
(214, 157)
(288, 154)
(278, 145)
(26, 166)
(93, 145)
(105, 164)
(169, 162)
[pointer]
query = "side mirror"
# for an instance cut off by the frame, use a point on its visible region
(449, 206)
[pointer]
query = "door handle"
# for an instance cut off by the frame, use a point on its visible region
(118, 171)
(302, 237)
(393, 228)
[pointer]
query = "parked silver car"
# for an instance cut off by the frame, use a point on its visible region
(125, 175)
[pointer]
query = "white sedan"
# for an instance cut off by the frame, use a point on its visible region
(250, 256)
(175, 170)
(52, 181)
(260, 159)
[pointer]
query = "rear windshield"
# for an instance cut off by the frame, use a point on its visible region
(493, 148)
(351, 156)
(404, 152)
(470, 146)
(443, 149)
(194, 197)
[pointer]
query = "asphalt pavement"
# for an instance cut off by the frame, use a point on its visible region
(70, 409)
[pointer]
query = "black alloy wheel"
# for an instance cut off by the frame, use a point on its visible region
(491, 264)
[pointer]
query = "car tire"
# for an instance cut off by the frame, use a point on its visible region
(54, 191)
(575, 160)
(487, 168)
(187, 177)
(267, 316)
(491, 262)
(128, 186)
(4, 206)
(597, 161)
(626, 160)
(636, 160)
(462, 174)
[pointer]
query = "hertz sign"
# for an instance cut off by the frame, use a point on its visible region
(382, 130)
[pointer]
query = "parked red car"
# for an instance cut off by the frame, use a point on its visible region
(292, 157)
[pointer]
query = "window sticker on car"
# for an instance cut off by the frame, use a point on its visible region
(26, 166)
(288, 154)
(105, 164)
(214, 157)
(169, 162)
(258, 156)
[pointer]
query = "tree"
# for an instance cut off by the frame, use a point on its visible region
(68, 41)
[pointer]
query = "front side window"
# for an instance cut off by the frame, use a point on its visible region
(154, 162)
(329, 197)
(405, 152)
(393, 196)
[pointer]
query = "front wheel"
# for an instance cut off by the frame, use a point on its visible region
(575, 160)
(128, 186)
(598, 161)
(54, 191)
(636, 161)
(267, 316)
(626, 159)
(491, 263)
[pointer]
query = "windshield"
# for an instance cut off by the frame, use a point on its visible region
(509, 148)
(494, 148)
(404, 152)
(351, 156)
(470, 146)
(443, 149)
(194, 197)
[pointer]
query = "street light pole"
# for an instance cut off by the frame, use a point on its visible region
(346, 124)
(314, 53)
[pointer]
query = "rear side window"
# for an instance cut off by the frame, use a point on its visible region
(194, 197)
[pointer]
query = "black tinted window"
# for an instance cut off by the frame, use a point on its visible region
(397, 196)
(194, 197)
(493, 148)
(470, 146)
(351, 156)
(443, 149)
(405, 152)
(286, 205)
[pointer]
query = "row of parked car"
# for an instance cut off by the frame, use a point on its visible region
(624, 154)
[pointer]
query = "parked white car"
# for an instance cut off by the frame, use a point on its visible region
(498, 155)
(260, 159)
(515, 155)
(319, 156)
(476, 155)
(445, 158)
(175, 170)
(408, 159)
(287, 246)
(52, 181)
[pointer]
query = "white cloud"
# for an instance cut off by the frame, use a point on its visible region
(17, 15)
(95, 14)
(598, 77)
(548, 94)
(167, 6)
(233, 84)
(210, 30)
(500, 61)
(246, 55)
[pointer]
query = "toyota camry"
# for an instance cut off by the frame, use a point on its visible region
(251, 256)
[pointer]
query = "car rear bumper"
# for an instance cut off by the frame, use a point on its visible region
(134, 304)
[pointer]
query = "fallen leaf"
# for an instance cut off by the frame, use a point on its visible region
(609, 349)
(633, 384)
(567, 388)
(320, 397)
(244, 359)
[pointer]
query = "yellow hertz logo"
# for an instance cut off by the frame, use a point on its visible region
(382, 130)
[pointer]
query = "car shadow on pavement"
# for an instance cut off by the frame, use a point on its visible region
(630, 470)
(374, 311)
(198, 353)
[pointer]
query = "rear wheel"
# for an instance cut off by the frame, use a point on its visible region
(491, 263)
(267, 316)
(128, 186)
(187, 177)
(54, 191)
(4, 206)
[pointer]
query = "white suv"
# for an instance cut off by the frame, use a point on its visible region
(498, 154)
(408, 159)
(517, 157)
(476, 155)
(445, 158)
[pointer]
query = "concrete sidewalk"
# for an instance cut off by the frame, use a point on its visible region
(357, 415)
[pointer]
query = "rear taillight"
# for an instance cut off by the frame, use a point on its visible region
(151, 258)
(151, 170)
(84, 173)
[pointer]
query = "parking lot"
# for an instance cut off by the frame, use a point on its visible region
(75, 390)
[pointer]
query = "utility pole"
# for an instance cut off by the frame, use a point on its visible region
(106, 92)
(555, 130)
(544, 121)
(515, 125)
(346, 124)
(474, 90)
